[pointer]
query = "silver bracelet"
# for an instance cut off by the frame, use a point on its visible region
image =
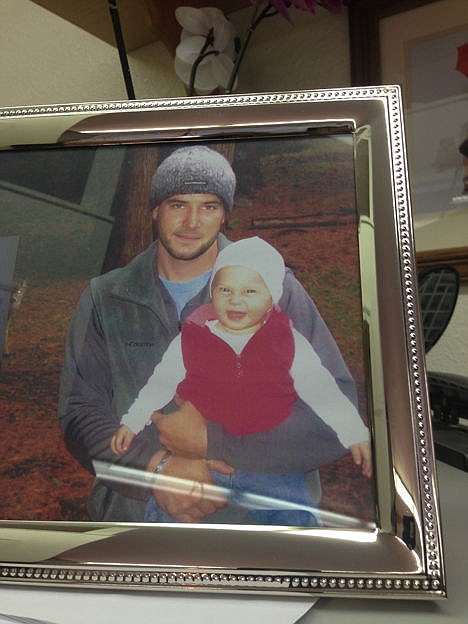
(162, 462)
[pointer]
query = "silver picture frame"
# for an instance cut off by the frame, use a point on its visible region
(395, 551)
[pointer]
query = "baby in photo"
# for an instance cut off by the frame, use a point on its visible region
(242, 364)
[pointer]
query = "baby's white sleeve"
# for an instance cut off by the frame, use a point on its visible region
(159, 389)
(317, 387)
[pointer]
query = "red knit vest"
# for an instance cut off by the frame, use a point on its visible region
(245, 393)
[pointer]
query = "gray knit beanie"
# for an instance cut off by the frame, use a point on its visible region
(194, 169)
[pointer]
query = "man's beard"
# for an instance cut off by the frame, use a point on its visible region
(188, 254)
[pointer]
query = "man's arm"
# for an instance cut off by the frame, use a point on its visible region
(299, 444)
(189, 500)
(85, 401)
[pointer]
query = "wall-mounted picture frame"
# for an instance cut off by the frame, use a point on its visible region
(106, 209)
(409, 44)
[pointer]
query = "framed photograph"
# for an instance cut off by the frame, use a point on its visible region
(411, 44)
(212, 371)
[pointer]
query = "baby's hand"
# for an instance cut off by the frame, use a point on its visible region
(121, 440)
(362, 456)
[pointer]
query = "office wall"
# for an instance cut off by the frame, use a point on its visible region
(45, 59)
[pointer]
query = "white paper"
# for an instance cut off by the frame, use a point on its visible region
(13, 619)
(99, 606)
(33, 545)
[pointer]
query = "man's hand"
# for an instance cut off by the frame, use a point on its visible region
(362, 456)
(183, 432)
(189, 500)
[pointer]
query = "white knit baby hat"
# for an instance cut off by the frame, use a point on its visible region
(256, 254)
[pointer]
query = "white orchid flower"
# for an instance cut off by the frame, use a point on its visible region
(206, 42)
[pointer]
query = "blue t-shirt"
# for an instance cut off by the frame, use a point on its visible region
(183, 292)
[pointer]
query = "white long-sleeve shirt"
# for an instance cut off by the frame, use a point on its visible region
(312, 381)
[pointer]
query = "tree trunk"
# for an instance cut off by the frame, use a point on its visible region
(132, 232)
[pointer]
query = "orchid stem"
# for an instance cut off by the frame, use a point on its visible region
(267, 11)
(202, 54)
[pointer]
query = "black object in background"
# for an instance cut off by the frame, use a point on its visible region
(448, 393)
